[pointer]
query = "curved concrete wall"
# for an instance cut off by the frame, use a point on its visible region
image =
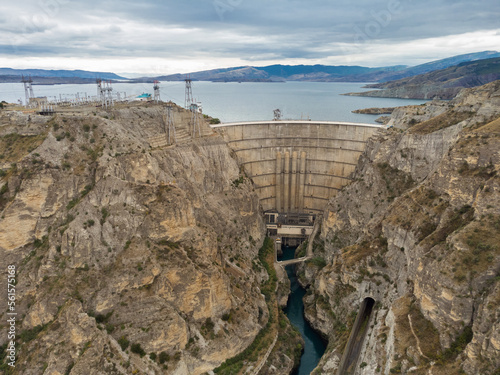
(297, 166)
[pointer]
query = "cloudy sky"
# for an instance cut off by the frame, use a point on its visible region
(163, 36)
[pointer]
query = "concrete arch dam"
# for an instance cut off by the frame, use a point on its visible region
(297, 166)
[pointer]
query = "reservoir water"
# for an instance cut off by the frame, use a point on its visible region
(314, 345)
(234, 101)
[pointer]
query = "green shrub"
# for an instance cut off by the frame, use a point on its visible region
(136, 348)
(30, 334)
(238, 181)
(318, 262)
(163, 357)
(124, 343)
(110, 328)
(72, 203)
(460, 343)
(105, 214)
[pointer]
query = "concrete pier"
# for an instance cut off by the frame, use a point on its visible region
(279, 181)
(302, 180)
(286, 184)
(293, 184)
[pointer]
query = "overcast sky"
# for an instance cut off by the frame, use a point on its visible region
(162, 36)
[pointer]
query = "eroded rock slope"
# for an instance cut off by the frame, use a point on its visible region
(419, 232)
(129, 259)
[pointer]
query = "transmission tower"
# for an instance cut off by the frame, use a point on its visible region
(28, 90)
(109, 92)
(156, 88)
(277, 114)
(189, 94)
(101, 94)
(170, 128)
(195, 109)
(105, 92)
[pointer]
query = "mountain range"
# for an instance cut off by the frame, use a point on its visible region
(41, 73)
(438, 84)
(322, 73)
(441, 79)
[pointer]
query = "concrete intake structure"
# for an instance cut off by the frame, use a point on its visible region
(297, 166)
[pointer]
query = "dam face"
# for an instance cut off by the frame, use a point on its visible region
(297, 166)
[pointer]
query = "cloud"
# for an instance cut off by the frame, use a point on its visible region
(218, 32)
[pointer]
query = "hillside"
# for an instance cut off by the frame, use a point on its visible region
(48, 80)
(277, 73)
(321, 73)
(440, 64)
(58, 73)
(131, 259)
(440, 84)
(418, 232)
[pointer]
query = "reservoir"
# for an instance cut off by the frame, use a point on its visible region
(232, 101)
(314, 345)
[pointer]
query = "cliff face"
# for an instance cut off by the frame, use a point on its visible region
(419, 232)
(122, 250)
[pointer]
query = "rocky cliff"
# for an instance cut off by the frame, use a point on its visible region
(418, 231)
(129, 259)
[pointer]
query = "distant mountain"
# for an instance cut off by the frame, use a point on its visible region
(278, 73)
(271, 73)
(320, 73)
(439, 84)
(440, 64)
(246, 73)
(58, 73)
(48, 80)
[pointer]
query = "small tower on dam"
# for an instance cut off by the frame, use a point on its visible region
(296, 167)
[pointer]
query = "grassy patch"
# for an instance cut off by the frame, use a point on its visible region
(490, 127)
(353, 254)
(483, 243)
(459, 218)
(439, 122)
(396, 181)
(30, 334)
(14, 146)
(427, 334)
(317, 262)
(486, 172)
